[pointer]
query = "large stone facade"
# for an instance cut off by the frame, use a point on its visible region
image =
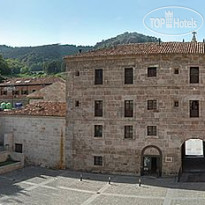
(174, 125)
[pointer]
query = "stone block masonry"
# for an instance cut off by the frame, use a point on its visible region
(172, 120)
(42, 138)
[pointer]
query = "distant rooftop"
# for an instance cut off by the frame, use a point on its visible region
(31, 81)
(51, 93)
(40, 109)
(145, 48)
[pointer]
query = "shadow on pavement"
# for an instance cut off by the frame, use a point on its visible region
(9, 183)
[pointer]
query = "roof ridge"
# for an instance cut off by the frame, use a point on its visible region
(146, 48)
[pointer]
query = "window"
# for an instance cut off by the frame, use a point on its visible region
(24, 92)
(98, 160)
(151, 104)
(77, 103)
(98, 108)
(128, 75)
(128, 132)
(98, 76)
(151, 130)
(16, 92)
(128, 108)
(77, 73)
(152, 72)
(194, 108)
(4, 92)
(18, 148)
(176, 71)
(194, 75)
(98, 131)
(176, 103)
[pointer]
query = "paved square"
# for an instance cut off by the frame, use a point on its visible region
(35, 185)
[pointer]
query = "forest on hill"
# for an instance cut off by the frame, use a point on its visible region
(49, 58)
(125, 38)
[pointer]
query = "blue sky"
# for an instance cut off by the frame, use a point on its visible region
(80, 22)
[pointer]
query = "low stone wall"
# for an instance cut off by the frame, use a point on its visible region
(3, 156)
(10, 167)
(13, 155)
(17, 157)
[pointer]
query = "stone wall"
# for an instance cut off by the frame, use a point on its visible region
(42, 138)
(174, 125)
(3, 156)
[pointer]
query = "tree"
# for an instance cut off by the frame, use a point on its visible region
(14, 65)
(52, 67)
(4, 68)
(24, 69)
(36, 67)
(63, 66)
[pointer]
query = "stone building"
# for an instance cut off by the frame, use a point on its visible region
(37, 131)
(51, 93)
(17, 89)
(132, 108)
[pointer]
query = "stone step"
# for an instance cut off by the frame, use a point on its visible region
(193, 177)
(191, 165)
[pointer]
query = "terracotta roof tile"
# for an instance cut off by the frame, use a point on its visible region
(40, 109)
(146, 48)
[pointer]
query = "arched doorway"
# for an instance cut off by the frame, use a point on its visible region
(193, 155)
(151, 161)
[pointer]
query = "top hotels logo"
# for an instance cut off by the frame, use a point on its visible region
(173, 20)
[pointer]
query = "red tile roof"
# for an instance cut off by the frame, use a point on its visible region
(40, 109)
(146, 48)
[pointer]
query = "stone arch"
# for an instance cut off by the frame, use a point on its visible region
(153, 154)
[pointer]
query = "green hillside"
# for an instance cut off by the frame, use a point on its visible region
(125, 38)
(48, 58)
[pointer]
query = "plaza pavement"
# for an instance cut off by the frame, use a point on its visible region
(36, 186)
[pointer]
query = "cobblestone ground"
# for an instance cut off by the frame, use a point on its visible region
(34, 185)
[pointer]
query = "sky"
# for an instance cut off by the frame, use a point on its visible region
(82, 22)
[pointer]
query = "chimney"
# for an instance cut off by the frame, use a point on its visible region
(194, 37)
(204, 44)
(159, 41)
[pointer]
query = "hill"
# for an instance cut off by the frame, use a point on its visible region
(30, 55)
(125, 38)
(48, 58)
